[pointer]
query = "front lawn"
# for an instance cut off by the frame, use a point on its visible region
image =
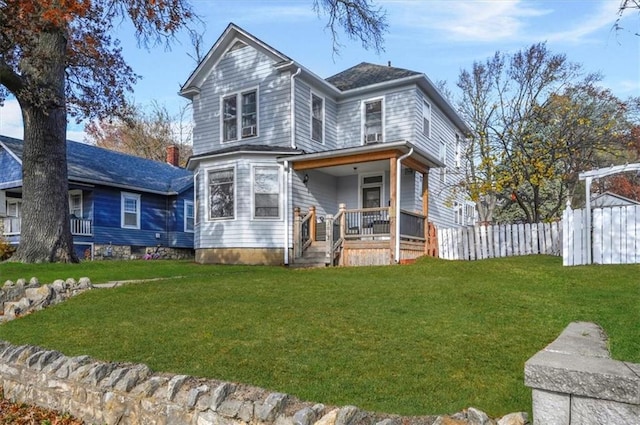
(430, 338)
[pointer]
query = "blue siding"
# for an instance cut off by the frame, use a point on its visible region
(160, 215)
(11, 169)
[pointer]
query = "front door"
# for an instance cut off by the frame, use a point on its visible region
(371, 197)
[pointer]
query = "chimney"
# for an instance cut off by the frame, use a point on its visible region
(173, 155)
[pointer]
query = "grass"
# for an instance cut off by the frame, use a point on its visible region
(430, 338)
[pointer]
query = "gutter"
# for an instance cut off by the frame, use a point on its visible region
(398, 176)
(293, 108)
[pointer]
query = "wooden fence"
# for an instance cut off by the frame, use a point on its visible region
(479, 242)
(615, 236)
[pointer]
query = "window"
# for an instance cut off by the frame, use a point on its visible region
(75, 204)
(246, 116)
(221, 194)
(12, 222)
(130, 206)
(426, 118)
(442, 155)
(373, 125)
(188, 216)
(458, 152)
(470, 213)
(266, 192)
(317, 118)
(458, 212)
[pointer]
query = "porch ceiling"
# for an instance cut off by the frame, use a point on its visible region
(365, 158)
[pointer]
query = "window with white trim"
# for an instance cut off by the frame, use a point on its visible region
(373, 121)
(266, 192)
(130, 207)
(75, 203)
(188, 216)
(317, 118)
(458, 152)
(221, 193)
(442, 155)
(240, 115)
(458, 213)
(426, 118)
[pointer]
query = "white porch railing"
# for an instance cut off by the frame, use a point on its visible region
(79, 226)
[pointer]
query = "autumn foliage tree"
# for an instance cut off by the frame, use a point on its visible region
(57, 58)
(144, 133)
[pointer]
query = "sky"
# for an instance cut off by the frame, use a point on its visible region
(437, 37)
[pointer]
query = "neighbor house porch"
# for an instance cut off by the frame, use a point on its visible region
(372, 206)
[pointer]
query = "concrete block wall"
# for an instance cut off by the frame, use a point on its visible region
(574, 381)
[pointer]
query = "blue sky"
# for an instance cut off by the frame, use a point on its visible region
(437, 37)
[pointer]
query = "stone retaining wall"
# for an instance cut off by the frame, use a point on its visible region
(575, 381)
(114, 393)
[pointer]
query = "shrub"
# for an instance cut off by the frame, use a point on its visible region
(6, 249)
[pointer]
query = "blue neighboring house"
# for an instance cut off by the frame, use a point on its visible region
(121, 206)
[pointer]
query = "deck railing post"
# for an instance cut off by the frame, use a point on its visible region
(312, 223)
(342, 210)
(328, 222)
(297, 235)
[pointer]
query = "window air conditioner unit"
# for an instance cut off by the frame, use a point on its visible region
(373, 138)
(249, 131)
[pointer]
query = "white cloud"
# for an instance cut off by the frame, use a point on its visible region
(603, 16)
(475, 21)
(11, 123)
(11, 119)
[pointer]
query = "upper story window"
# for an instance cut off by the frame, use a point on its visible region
(317, 118)
(266, 192)
(426, 118)
(188, 216)
(75, 203)
(130, 207)
(221, 193)
(240, 115)
(373, 121)
(458, 152)
(442, 155)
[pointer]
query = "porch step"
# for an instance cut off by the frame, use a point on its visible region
(314, 256)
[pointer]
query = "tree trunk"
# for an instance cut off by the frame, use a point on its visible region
(45, 231)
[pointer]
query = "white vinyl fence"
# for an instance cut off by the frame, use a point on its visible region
(508, 240)
(615, 236)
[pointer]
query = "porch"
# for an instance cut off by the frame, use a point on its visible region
(363, 237)
(365, 205)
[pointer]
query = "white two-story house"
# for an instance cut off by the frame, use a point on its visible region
(356, 168)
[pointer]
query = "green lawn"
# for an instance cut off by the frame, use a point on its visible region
(434, 337)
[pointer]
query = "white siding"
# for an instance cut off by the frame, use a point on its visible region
(239, 70)
(320, 191)
(243, 231)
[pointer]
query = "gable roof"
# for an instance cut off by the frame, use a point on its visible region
(367, 74)
(354, 81)
(610, 199)
(95, 165)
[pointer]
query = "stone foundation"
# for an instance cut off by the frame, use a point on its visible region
(251, 256)
(126, 252)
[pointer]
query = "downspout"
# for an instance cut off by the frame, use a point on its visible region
(196, 213)
(285, 173)
(398, 176)
(293, 108)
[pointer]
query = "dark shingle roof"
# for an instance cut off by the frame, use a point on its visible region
(366, 74)
(247, 148)
(88, 163)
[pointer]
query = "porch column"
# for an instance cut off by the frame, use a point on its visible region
(297, 245)
(393, 170)
(425, 207)
(312, 223)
